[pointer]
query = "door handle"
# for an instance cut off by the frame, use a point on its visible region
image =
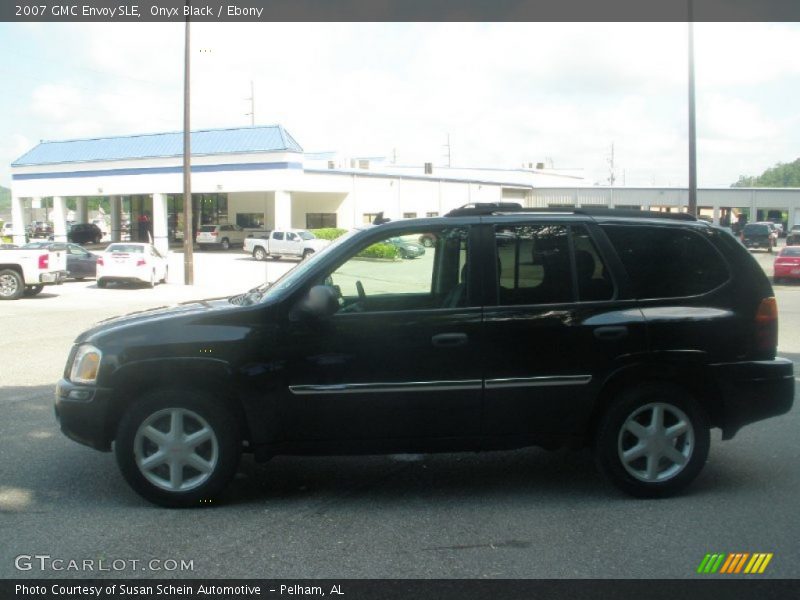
(449, 340)
(611, 333)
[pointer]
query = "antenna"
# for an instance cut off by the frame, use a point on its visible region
(252, 100)
(611, 176)
(447, 153)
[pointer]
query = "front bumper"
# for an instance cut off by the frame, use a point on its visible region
(84, 412)
(753, 391)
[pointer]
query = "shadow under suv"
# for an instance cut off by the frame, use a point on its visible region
(634, 333)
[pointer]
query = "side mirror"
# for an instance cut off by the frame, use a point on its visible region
(320, 303)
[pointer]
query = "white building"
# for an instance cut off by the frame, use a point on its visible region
(260, 178)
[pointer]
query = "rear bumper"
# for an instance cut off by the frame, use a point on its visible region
(83, 412)
(52, 278)
(753, 391)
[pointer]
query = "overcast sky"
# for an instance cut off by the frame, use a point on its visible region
(506, 93)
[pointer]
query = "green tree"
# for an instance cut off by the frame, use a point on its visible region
(781, 175)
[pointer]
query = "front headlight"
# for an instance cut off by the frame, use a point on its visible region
(85, 365)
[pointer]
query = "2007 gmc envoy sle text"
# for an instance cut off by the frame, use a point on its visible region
(632, 332)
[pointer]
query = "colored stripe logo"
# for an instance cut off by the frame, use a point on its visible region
(734, 563)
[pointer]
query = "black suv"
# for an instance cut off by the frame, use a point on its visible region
(85, 233)
(758, 235)
(632, 334)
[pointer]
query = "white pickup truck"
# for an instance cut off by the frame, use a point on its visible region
(25, 271)
(282, 242)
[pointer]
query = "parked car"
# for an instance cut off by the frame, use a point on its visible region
(26, 271)
(758, 235)
(8, 229)
(632, 332)
(131, 262)
(220, 235)
(85, 233)
(406, 249)
(40, 229)
(283, 242)
(80, 262)
(787, 264)
(428, 240)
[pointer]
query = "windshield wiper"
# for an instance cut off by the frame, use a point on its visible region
(251, 296)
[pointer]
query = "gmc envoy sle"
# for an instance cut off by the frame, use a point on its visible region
(631, 332)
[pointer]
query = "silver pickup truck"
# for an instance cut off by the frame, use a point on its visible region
(282, 242)
(25, 271)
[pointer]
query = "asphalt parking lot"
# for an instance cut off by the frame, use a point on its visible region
(522, 514)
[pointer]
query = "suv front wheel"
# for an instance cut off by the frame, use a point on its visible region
(653, 440)
(178, 448)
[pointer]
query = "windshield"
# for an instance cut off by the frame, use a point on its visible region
(267, 290)
(306, 235)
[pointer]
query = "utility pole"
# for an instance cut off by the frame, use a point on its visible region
(447, 154)
(692, 130)
(252, 99)
(188, 217)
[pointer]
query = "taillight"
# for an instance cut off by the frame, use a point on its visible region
(767, 324)
(140, 262)
(44, 261)
(100, 261)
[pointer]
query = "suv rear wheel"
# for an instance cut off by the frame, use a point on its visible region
(653, 440)
(178, 448)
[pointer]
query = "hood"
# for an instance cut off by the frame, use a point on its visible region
(154, 315)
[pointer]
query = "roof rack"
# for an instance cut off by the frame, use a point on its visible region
(484, 208)
(495, 208)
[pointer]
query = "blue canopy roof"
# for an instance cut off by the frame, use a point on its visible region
(270, 138)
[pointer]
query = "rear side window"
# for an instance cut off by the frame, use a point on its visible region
(667, 262)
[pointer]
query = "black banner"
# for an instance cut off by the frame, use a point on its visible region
(397, 10)
(400, 589)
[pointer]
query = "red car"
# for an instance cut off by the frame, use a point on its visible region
(787, 264)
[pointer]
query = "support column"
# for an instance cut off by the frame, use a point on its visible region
(59, 216)
(82, 210)
(715, 215)
(283, 210)
(116, 218)
(160, 225)
(18, 220)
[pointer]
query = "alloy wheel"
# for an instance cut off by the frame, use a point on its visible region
(176, 449)
(656, 442)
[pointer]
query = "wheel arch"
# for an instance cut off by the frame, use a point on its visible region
(692, 377)
(208, 376)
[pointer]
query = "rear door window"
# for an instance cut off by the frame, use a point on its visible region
(667, 262)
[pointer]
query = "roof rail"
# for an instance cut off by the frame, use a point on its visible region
(495, 208)
(484, 208)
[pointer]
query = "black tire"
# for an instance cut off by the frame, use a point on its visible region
(222, 453)
(11, 285)
(32, 290)
(307, 252)
(101, 283)
(225, 244)
(152, 283)
(613, 438)
(427, 242)
(259, 253)
(166, 274)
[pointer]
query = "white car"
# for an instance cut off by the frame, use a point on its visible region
(131, 262)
